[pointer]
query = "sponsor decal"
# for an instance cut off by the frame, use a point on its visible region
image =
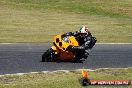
(110, 82)
(84, 81)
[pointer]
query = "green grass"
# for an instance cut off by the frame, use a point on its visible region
(33, 21)
(62, 79)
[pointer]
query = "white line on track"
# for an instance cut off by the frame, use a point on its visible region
(29, 46)
(66, 71)
(7, 43)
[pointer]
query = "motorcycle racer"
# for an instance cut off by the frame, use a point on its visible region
(86, 42)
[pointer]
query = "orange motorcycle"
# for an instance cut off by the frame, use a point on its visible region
(60, 49)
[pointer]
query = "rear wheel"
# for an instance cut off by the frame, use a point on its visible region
(48, 56)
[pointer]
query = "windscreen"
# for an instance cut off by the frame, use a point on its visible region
(65, 38)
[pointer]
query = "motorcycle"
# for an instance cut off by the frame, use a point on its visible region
(61, 49)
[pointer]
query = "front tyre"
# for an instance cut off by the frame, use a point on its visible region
(48, 55)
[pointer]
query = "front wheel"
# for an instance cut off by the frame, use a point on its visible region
(48, 56)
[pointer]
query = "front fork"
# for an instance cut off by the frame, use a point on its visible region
(56, 52)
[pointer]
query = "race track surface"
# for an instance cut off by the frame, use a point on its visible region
(22, 58)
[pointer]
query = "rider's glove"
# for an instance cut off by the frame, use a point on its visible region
(69, 48)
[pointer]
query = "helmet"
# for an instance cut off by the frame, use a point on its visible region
(84, 31)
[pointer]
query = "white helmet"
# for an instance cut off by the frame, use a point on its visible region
(84, 31)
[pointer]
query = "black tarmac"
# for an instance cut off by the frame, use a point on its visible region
(23, 58)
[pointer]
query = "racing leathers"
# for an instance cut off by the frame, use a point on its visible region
(85, 43)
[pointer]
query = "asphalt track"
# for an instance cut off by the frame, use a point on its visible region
(22, 58)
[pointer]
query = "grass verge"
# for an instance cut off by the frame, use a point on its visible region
(63, 79)
(33, 21)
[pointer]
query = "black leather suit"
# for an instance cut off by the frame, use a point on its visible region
(85, 43)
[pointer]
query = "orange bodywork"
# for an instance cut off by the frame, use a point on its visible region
(60, 46)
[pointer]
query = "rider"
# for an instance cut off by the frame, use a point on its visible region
(86, 41)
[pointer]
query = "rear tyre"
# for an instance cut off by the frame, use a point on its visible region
(48, 56)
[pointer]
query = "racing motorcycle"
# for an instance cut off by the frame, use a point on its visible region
(61, 49)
